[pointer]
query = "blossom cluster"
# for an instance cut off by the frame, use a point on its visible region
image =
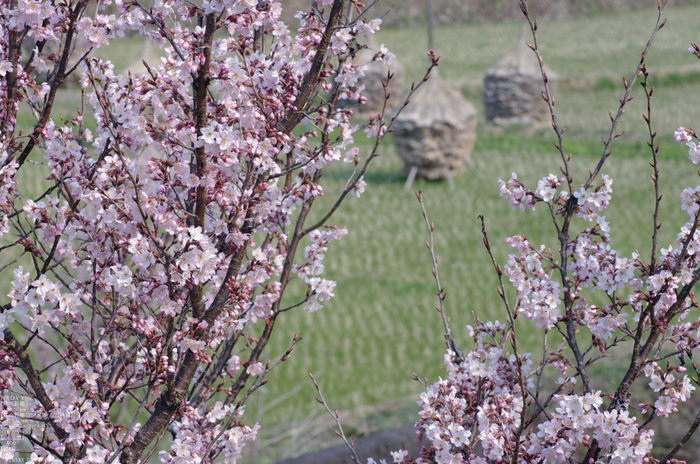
(481, 401)
(670, 389)
(320, 290)
(167, 232)
(492, 407)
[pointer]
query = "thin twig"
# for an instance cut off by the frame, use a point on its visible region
(683, 441)
(336, 417)
(451, 343)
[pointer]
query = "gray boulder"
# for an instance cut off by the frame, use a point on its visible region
(436, 132)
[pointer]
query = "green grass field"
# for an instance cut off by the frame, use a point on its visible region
(381, 325)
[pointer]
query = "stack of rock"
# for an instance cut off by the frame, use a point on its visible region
(375, 73)
(513, 89)
(435, 134)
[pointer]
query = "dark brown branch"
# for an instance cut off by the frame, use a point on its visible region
(311, 79)
(10, 110)
(55, 83)
(563, 233)
(38, 388)
(200, 87)
(177, 391)
(214, 374)
(285, 277)
(513, 341)
(626, 97)
(451, 343)
(351, 184)
(171, 400)
(683, 441)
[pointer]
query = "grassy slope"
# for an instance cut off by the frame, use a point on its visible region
(381, 325)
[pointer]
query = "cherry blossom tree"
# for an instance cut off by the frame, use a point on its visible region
(499, 404)
(149, 274)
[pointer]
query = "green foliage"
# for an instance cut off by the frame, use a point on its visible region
(606, 83)
(678, 79)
